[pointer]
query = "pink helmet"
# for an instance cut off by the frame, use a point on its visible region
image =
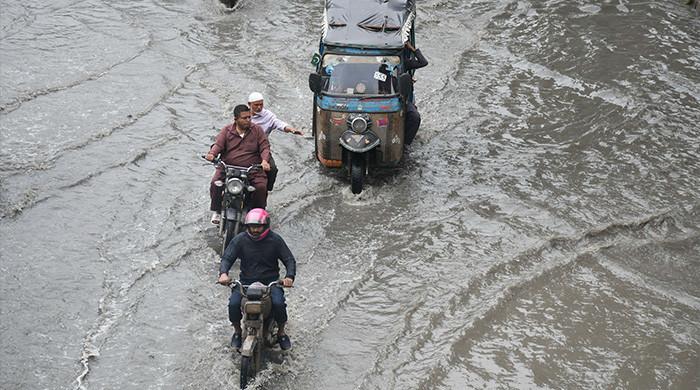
(258, 217)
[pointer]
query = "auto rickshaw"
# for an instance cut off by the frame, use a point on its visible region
(360, 85)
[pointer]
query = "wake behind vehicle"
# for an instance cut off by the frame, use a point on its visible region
(235, 204)
(361, 87)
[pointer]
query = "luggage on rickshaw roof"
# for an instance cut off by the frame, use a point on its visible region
(368, 23)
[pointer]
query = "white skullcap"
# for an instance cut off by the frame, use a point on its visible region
(254, 97)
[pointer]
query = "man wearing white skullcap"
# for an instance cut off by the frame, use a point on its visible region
(266, 118)
(269, 122)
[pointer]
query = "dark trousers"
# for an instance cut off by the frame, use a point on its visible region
(412, 123)
(258, 198)
(279, 306)
(272, 174)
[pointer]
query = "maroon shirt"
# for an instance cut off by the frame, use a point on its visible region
(244, 151)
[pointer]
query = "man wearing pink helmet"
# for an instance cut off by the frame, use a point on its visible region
(260, 251)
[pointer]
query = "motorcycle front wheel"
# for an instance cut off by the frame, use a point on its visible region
(230, 230)
(247, 371)
(257, 358)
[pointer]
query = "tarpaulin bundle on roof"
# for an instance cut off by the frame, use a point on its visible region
(368, 23)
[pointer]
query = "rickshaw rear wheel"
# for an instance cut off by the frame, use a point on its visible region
(357, 172)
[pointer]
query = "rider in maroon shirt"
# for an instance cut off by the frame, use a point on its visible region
(243, 144)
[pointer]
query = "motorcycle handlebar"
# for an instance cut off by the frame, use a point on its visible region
(233, 283)
(218, 161)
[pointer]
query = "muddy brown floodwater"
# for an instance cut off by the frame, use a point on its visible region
(543, 231)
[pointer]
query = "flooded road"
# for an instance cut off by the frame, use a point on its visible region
(542, 232)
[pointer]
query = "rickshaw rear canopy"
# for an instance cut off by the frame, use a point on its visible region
(368, 23)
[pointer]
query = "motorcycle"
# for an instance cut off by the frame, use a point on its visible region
(258, 326)
(234, 207)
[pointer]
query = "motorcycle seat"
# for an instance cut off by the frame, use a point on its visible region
(254, 294)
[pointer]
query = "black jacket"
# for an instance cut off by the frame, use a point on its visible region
(259, 259)
(414, 62)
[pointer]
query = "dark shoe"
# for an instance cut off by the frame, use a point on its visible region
(285, 342)
(236, 341)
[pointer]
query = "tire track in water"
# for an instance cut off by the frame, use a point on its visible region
(386, 355)
(31, 18)
(114, 304)
(11, 208)
(466, 39)
(321, 321)
(134, 22)
(644, 282)
(323, 299)
(25, 19)
(32, 197)
(31, 95)
(118, 300)
(17, 102)
(466, 315)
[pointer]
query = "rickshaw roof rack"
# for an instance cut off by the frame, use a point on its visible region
(368, 23)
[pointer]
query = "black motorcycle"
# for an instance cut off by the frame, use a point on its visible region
(235, 206)
(259, 328)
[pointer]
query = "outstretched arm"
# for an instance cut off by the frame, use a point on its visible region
(290, 129)
(276, 123)
(282, 125)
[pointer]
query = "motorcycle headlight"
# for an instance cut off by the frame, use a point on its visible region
(359, 125)
(234, 186)
(253, 307)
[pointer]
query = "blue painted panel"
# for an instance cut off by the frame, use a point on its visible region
(359, 51)
(334, 103)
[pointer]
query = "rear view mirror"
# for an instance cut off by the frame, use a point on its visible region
(406, 85)
(315, 59)
(315, 82)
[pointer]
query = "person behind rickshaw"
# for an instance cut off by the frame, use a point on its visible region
(260, 250)
(269, 122)
(244, 144)
(413, 59)
(387, 83)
